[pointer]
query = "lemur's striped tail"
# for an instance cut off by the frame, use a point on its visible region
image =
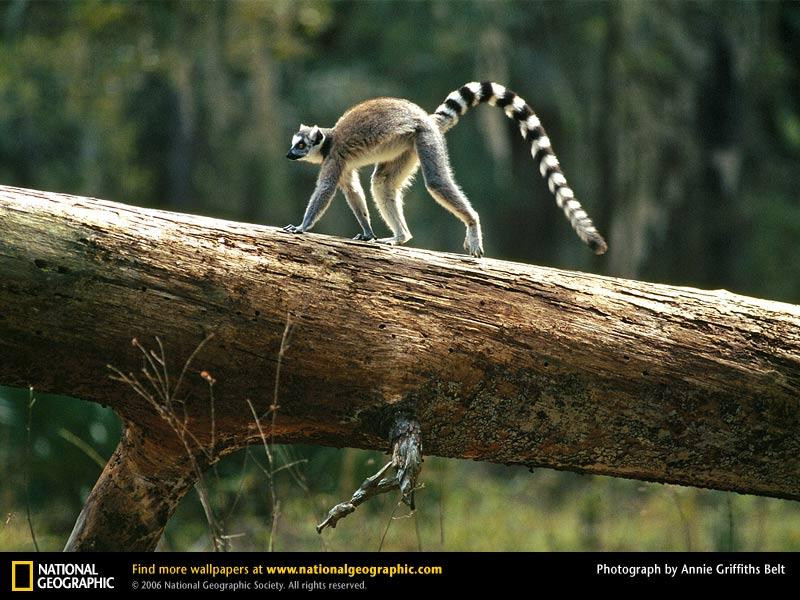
(458, 102)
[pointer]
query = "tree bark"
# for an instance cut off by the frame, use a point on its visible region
(497, 361)
(137, 492)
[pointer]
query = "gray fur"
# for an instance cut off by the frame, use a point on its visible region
(439, 182)
(357, 200)
(328, 179)
(389, 179)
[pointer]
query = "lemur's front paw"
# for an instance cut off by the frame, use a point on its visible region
(294, 229)
(365, 237)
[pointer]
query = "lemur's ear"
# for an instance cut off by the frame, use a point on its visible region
(315, 135)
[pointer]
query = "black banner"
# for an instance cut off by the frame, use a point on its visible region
(355, 573)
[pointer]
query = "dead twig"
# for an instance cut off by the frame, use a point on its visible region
(372, 486)
(407, 461)
(163, 399)
(31, 402)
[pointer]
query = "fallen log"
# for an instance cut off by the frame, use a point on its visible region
(496, 361)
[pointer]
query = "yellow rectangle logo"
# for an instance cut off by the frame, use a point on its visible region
(26, 579)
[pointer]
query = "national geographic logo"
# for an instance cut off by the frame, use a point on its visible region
(21, 575)
(27, 577)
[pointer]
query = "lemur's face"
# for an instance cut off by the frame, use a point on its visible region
(306, 144)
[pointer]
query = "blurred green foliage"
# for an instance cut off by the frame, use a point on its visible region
(677, 123)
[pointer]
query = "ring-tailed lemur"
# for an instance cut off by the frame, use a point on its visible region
(398, 136)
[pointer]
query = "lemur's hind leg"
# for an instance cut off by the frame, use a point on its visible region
(432, 153)
(389, 179)
(354, 193)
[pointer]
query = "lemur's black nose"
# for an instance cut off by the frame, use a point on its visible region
(291, 155)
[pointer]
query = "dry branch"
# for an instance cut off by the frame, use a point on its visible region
(497, 361)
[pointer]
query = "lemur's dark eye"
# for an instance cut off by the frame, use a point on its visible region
(301, 145)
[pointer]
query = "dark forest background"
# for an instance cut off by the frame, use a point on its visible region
(677, 124)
